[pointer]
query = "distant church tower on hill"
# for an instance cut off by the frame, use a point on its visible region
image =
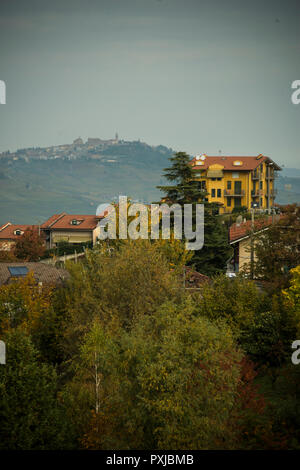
(117, 137)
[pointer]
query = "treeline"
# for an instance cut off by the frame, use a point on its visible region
(123, 357)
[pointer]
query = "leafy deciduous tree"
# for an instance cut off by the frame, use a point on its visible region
(26, 305)
(277, 249)
(168, 383)
(30, 246)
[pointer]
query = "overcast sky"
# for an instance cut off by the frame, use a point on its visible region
(194, 75)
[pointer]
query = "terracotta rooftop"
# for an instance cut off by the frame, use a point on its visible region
(248, 163)
(64, 222)
(52, 219)
(193, 279)
(238, 231)
(7, 231)
(42, 272)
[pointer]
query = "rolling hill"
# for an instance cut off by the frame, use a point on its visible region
(31, 189)
(36, 183)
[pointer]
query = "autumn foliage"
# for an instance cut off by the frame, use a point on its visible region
(30, 246)
(123, 357)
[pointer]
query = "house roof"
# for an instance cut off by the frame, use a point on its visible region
(7, 230)
(238, 231)
(52, 219)
(248, 163)
(43, 272)
(63, 222)
(193, 279)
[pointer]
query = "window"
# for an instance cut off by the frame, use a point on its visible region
(237, 202)
(237, 187)
(18, 232)
(228, 184)
(75, 222)
(213, 179)
(218, 192)
(219, 179)
(213, 193)
(260, 185)
(229, 201)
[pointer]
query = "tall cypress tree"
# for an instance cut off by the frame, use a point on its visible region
(212, 258)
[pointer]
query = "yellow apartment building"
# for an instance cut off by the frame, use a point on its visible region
(233, 182)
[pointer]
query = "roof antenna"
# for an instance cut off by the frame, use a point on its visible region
(220, 152)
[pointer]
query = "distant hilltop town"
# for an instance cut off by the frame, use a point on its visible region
(72, 151)
(78, 149)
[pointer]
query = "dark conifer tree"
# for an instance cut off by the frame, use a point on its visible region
(213, 257)
(184, 189)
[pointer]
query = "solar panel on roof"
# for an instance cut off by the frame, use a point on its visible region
(18, 270)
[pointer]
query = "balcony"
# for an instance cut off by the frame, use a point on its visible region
(233, 193)
(255, 193)
(270, 177)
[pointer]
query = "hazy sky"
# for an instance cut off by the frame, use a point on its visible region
(194, 75)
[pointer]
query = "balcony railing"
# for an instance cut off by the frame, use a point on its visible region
(234, 193)
(255, 176)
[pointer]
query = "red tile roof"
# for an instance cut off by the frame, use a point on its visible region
(52, 219)
(63, 222)
(249, 163)
(7, 230)
(238, 231)
(4, 225)
(193, 279)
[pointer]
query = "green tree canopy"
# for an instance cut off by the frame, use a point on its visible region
(124, 284)
(263, 325)
(31, 416)
(168, 383)
(277, 249)
(213, 257)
